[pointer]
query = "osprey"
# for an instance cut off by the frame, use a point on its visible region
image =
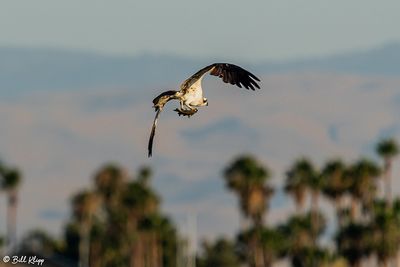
(190, 95)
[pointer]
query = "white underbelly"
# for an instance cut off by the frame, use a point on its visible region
(194, 97)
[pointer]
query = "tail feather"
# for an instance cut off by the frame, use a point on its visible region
(152, 134)
(159, 103)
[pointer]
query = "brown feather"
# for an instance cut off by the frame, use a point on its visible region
(152, 134)
(159, 103)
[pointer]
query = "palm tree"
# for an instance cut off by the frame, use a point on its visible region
(85, 204)
(300, 238)
(109, 181)
(221, 253)
(144, 175)
(10, 184)
(38, 241)
(168, 239)
(303, 177)
(385, 228)
(109, 231)
(139, 201)
(387, 149)
(336, 184)
(274, 244)
(354, 242)
(362, 176)
(119, 223)
(246, 177)
(151, 229)
(299, 179)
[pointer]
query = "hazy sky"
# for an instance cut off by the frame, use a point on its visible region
(251, 30)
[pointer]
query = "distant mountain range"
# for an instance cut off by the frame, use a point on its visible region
(383, 60)
(26, 69)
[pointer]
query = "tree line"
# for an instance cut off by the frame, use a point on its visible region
(118, 221)
(367, 226)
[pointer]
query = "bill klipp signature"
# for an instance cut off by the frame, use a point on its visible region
(31, 260)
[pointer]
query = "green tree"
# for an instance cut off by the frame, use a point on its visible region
(221, 253)
(246, 177)
(10, 184)
(108, 235)
(354, 242)
(385, 231)
(336, 185)
(129, 229)
(139, 201)
(85, 204)
(299, 179)
(387, 149)
(38, 241)
(273, 243)
(109, 181)
(362, 176)
(300, 237)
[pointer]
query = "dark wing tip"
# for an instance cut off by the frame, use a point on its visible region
(254, 77)
(235, 75)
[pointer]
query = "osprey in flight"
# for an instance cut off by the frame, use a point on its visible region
(190, 95)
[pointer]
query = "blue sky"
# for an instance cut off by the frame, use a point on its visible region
(251, 30)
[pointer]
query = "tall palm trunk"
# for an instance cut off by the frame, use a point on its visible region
(156, 251)
(268, 259)
(137, 257)
(259, 255)
(11, 220)
(338, 208)
(388, 181)
(95, 254)
(354, 210)
(299, 197)
(84, 245)
(314, 215)
(136, 245)
(257, 252)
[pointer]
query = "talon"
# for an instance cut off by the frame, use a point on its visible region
(186, 112)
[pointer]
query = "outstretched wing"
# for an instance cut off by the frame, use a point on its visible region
(195, 77)
(229, 73)
(159, 103)
(235, 75)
